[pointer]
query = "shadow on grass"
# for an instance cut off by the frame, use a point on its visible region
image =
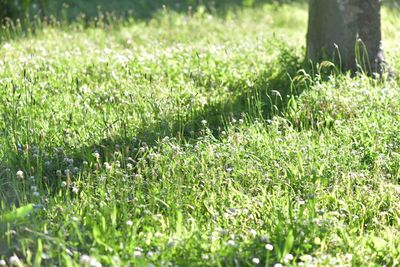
(144, 9)
(267, 96)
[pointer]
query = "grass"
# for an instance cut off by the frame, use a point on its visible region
(194, 141)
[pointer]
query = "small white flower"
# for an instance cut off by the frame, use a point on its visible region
(14, 261)
(63, 184)
(129, 166)
(129, 223)
(158, 235)
(94, 263)
(3, 263)
(269, 247)
(34, 188)
(96, 155)
(150, 254)
(84, 259)
(288, 258)
(107, 166)
(75, 190)
(36, 194)
(205, 257)
(306, 258)
(137, 253)
(256, 260)
(231, 243)
(204, 122)
(253, 232)
(20, 174)
(278, 265)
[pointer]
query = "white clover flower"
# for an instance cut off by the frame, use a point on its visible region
(15, 261)
(58, 173)
(20, 174)
(107, 166)
(231, 243)
(129, 223)
(288, 258)
(278, 265)
(269, 247)
(205, 257)
(63, 184)
(96, 155)
(204, 122)
(84, 259)
(94, 263)
(75, 190)
(129, 166)
(36, 194)
(137, 253)
(3, 263)
(306, 258)
(256, 260)
(150, 254)
(253, 232)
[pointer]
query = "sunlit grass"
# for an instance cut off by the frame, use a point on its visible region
(194, 140)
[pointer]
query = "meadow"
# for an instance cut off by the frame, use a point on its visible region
(194, 139)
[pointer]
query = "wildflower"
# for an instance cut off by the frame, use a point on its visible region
(96, 155)
(150, 254)
(107, 166)
(84, 259)
(36, 194)
(137, 253)
(288, 258)
(63, 184)
(20, 174)
(231, 243)
(67, 172)
(253, 232)
(75, 190)
(129, 223)
(34, 188)
(269, 247)
(204, 122)
(129, 166)
(306, 258)
(3, 263)
(256, 260)
(278, 265)
(205, 257)
(94, 263)
(59, 173)
(15, 261)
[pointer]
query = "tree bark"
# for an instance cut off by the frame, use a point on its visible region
(347, 32)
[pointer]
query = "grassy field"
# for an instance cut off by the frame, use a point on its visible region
(195, 140)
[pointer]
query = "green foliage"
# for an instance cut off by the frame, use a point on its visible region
(194, 140)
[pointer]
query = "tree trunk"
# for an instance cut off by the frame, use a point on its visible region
(347, 32)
